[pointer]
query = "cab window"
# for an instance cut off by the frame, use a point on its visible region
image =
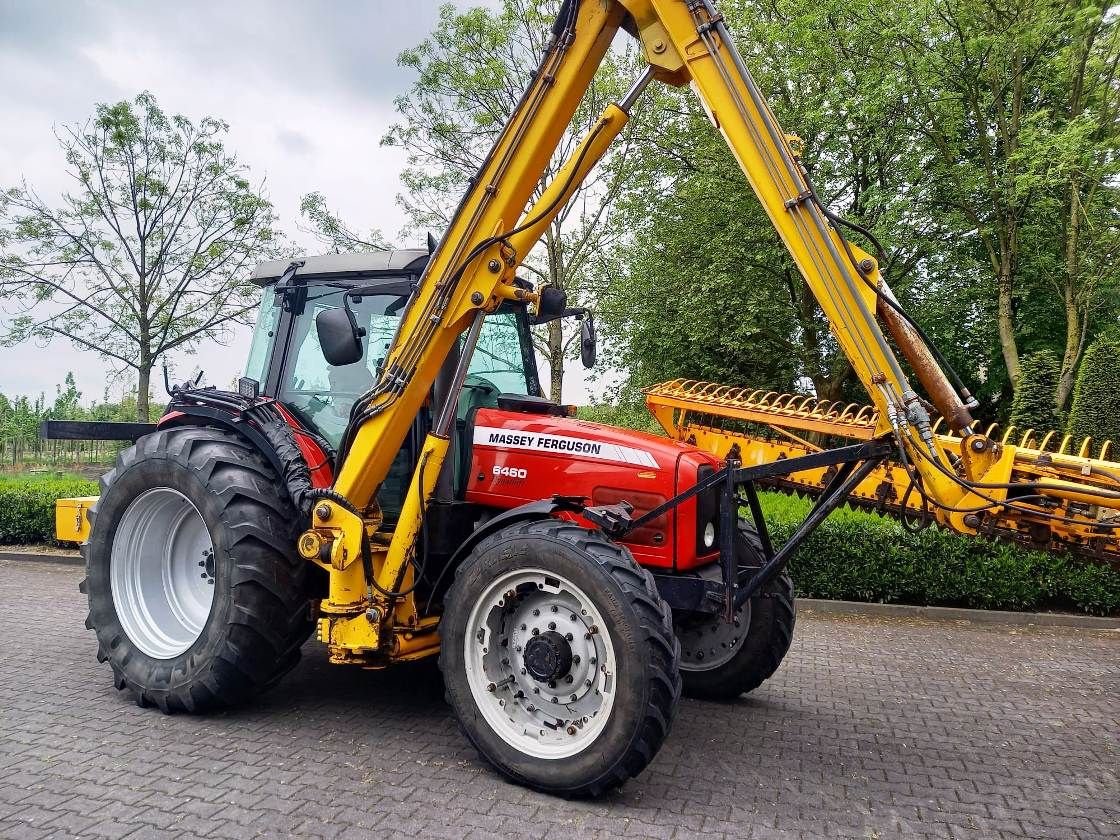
(499, 357)
(320, 393)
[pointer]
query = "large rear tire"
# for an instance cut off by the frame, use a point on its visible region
(721, 661)
(195, 591)
(559, 659)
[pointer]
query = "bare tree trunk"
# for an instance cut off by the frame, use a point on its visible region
(143, 409)
(1006, 320)
(556, 360)
(1073, 348)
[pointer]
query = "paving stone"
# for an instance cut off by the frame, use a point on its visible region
(873, 728)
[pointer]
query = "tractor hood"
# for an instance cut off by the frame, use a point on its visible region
(569, 438)
(516, 457)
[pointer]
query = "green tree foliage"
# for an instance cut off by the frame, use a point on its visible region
(151, 251)
(1034, 406)
(977, 142)
(21, 417)
(329, 228)
(471, 72)
(1095, 411)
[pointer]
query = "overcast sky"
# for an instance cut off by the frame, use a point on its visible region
(306, 87)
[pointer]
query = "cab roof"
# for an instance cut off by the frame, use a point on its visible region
(352, 264)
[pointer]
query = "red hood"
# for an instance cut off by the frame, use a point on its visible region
(579, 439)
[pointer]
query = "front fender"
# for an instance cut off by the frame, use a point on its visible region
(543, 509)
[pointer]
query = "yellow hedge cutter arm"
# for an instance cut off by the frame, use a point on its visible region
(473, 270)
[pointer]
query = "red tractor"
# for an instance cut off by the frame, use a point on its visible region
(512, 448)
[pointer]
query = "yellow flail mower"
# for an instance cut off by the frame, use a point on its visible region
(1053, 499)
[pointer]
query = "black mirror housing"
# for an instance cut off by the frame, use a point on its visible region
(340, 337)
(553, 304)
(588, 341)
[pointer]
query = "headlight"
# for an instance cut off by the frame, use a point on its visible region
(709, 534)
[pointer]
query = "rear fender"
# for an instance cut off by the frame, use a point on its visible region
(202, 415)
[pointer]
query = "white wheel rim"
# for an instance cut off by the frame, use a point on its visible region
(540, 718)
(161, 572)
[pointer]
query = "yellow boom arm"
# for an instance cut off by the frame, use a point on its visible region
(472, 271)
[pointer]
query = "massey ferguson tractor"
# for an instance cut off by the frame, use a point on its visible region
(389, 477)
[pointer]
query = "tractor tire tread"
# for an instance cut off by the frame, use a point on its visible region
(640, 588)
(271, 616)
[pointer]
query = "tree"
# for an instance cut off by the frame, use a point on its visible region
(471, 72)
(151, 251)
(1095, 411)
(1018, 99)
(705, 288)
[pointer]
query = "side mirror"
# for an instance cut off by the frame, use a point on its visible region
(588, 346)
(552, 305)
(340, 337)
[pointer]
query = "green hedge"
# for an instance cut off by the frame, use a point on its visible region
(853, 556)
(27, 505)
(858, 556)
(1033, 406)
(1096, 395)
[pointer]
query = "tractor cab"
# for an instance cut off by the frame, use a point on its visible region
(287, 360)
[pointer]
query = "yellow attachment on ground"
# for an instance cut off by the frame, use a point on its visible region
(757, 426)
(71, 519)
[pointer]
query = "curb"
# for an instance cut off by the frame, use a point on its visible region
(1013, 619)
(35, 557)
(811, 605)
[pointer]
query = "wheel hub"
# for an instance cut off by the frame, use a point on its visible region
(709, 642)
(539, 667)
(548, 657)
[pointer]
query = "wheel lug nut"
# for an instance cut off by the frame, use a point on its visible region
(536, 690)
(522, 671)
(575, 659)
(536, 631)
(523, 627)
(552, 683)
(593, 660)
(574, 698)
(536, 612)
(552, 625)
(569, 636)
(572, 617)
(554, 700)
(568, 678)
(556, 609)
(587, 683)
(571, 730)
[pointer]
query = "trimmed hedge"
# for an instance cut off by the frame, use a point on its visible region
(858, 556)
(27, 505)
(853, 556)
(1096, 395)
(1033, 406)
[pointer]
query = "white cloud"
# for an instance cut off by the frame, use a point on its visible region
(307, 91)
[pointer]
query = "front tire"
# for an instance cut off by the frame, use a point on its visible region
(721, 661)
(195, 592)
(559, 659)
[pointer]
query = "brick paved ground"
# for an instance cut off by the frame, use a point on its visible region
(873, 729)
